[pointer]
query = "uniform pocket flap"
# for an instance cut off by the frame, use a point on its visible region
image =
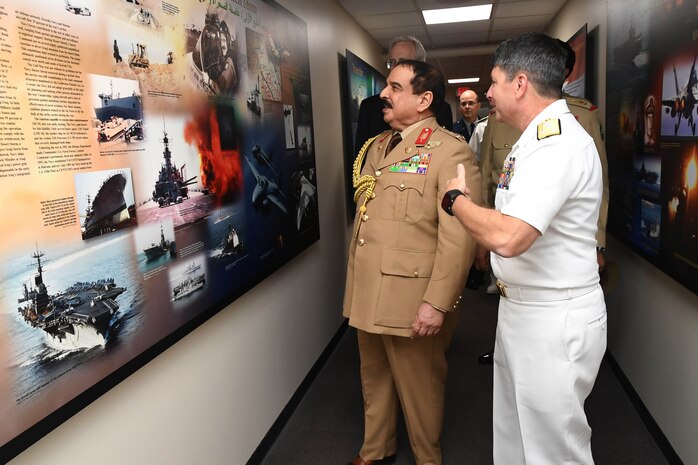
(408, 181)
(408, 263)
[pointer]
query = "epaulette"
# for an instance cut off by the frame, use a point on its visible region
(452, 134)
(549, 127)
(580, 102)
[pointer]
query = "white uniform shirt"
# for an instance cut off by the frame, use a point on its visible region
(475, 142)
(555, 186)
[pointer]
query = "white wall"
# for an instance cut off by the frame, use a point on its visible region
(213, 396)
(653, 320)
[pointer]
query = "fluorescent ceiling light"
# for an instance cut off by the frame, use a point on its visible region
(457, 15)
(463, 80)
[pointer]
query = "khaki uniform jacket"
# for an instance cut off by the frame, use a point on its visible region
(499, 138)
(405, 249)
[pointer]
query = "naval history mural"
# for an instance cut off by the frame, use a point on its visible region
(157, 160)
(652, 145)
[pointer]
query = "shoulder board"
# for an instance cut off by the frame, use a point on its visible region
(549, 127)
(580, 102)
(455, 135)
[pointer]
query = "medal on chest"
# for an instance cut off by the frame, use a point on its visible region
(507, 173)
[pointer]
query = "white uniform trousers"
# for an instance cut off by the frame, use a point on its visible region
(546, 358)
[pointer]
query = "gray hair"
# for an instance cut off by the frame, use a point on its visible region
(421, 54)
(537, 55)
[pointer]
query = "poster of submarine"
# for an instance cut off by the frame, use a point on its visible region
(157, 161)
(651, 139)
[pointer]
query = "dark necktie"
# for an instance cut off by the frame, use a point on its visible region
(396, 139)
(472, 129)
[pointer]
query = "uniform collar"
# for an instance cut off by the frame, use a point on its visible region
(409, 136)
(554, 110)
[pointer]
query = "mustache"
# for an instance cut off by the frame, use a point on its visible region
(387, 104)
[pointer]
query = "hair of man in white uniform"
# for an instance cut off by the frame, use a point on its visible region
(537, 55)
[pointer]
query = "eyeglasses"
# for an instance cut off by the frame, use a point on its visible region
(390, 63)
(468, 103)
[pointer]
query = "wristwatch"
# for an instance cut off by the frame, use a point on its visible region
(601, 250)
(449, 198)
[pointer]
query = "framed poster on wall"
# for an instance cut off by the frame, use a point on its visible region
(651, 133)
(362, 81)
(576, 83)
(157, 161)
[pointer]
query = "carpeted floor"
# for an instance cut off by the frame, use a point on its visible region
(327, 426)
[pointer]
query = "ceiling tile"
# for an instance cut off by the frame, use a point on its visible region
(456, 40)
(391, 20)
(528, 8)
(363, 8)
(532, 23)
(389, 33)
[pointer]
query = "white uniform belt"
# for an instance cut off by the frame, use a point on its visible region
(538, 294)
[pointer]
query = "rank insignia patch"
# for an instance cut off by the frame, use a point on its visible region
(549, 127)
(423, 137)
(418, 164)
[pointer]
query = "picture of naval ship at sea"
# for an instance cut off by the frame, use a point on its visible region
(65, 305)
(226, 234)
(188, 279)
(155, 245)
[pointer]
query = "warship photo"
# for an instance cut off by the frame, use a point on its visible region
(191, 283)
(161, 248)
(76, 318)
(231, 242)
(108, 212)
(171, 187)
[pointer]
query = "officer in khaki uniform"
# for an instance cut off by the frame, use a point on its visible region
(408, 261)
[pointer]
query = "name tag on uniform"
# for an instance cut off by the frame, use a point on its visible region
(418, 164)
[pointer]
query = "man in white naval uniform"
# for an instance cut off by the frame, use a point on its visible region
(551, 329)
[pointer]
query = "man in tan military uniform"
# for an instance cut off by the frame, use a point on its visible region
(408, 261)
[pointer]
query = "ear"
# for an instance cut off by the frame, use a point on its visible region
(425, 100)
(521, 85)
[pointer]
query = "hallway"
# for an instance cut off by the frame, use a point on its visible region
(327, 426)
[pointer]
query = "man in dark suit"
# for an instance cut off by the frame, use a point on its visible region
(371, 110)
(469, 106)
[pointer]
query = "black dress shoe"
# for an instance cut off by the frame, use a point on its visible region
(487, 358)
(384, 461)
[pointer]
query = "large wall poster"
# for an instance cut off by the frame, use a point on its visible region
(362, 81)
(576, 83)
(157, 160)
(651, 132)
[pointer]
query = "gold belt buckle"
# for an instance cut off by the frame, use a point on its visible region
(502, 289)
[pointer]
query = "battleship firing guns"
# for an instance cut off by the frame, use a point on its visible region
(171, 186)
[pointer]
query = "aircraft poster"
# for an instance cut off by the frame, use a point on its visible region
(651, 115)
(157, 161)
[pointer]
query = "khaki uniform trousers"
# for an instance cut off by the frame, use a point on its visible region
(411, 371)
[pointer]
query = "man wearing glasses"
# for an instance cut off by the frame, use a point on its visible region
(469, 106)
